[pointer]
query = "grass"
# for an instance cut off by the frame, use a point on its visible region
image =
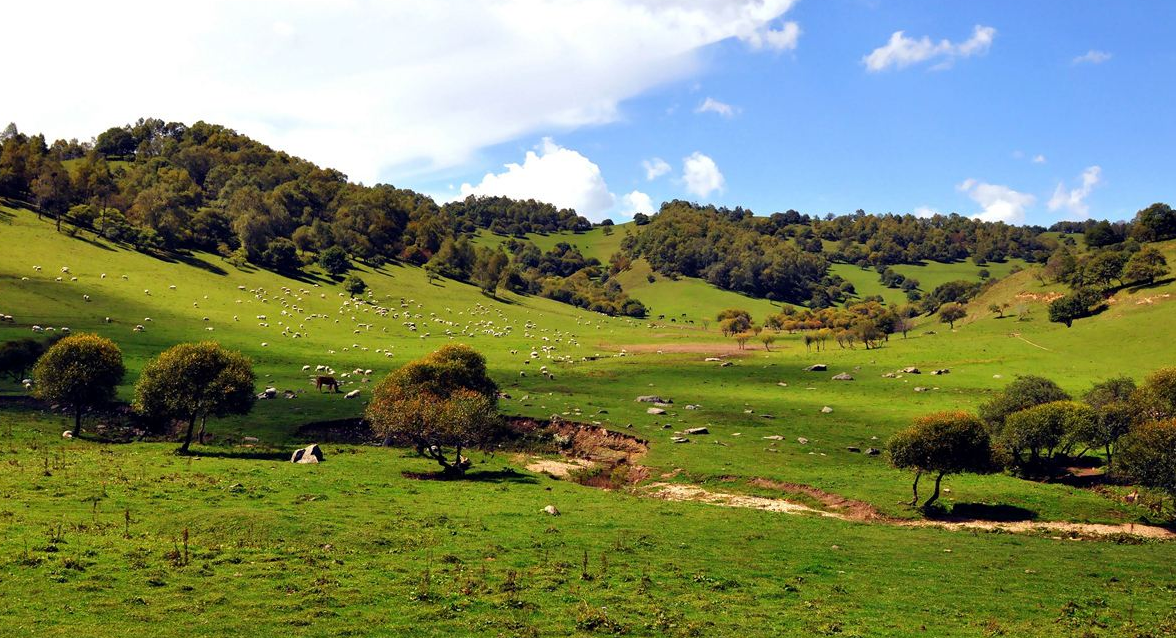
(258, 526)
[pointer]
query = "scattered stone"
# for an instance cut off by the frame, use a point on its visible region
(817, 367)
(726, 364)
(655, 411)
(714, 359)
(679, 439)
(939, 372)
(653, 398)
(911, 370)
(550, 511)
(801, 440)
(873, 451)
(844, 376)
(826, 410)
(309, 454)
(696, 431)
(692, 407)
(774, 437)
(250, 439)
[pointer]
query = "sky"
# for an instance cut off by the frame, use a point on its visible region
(1024, 112)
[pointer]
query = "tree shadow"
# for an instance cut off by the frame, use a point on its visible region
(242, 455)
(505, 475)
(985, 512)
(1134, 288)
(196, 262)
(95, 243)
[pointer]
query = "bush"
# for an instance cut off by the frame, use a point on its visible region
(942, 443)
(354, 285)
(1024, 392)
(1035, 437)
(1148, 455)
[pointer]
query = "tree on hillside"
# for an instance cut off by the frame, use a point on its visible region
(80, 371)
(490, 266)
(1076, 305)
(1034, 437)
(1145, 266)
(1114, 413)
(733, 321)
(354, 286)
(443, 400)
(334, 261)
(950, 313)
(998, 309)
(1023, 392)
(51, 190)
(1147, 455)
(1154, 223)
(1155, 399)
(767, 338)
(1105, 267)
(942, 443)
(17, 357)
(190, 382)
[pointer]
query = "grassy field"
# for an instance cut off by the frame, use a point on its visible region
(347, 547)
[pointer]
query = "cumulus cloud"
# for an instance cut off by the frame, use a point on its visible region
(1073, 201)
(1093, 56)
(900, 51)
(655, 168)
(553, 174)
(701, 175)
(711, 105)
(925, 212)
(999, 203)
(636, 202)
(380, 90)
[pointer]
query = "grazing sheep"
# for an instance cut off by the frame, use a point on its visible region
(125, 277)
(65, 269)
(38, 329)
(146, 292)
(103, 276)
(264, 344)
(109, 320)
(146, 319)
(138, 328)
(37, 268)
(86, 298)
(351, 395)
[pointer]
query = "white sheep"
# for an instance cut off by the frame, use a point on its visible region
(305, 368)
(351, 395)
(86, 298)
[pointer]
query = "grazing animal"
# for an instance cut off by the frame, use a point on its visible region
(329, 382)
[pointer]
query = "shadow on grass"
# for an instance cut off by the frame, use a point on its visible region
(1132, 289)
(985, 512)
(505, 475)
(244, 455)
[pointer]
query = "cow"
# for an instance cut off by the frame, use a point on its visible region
(330, 383)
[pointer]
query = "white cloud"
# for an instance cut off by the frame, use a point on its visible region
(557, 175)
(711, 105)
(900, 51)
(655, 168)
(377, 89)
(925, 212)
(636, 202)
(1000, 203)
(1093, 56)
(1038, 159)
(1074, 200)
(701, 175)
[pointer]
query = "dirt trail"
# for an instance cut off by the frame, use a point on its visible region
(681, 492)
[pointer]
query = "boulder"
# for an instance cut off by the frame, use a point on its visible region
(696, 431)
(653, 398)
(309, 454)
(826, 410)
(817, 367)
(655, 411)
(550, 511)
(844, 376)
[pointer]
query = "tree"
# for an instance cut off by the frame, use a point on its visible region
(734, 320)
(490, 265)
(942, 443)
(444, 399)
(1075, 305)
(742, 338)
(354, 285)
(19, 356)
(1034, 437)
(1145, 266)
(950, 313)
(334, 261)
(1114, 413)
(767, 339)
(1154, 223)
(190, 382)
(1023, 392)
(1155, 400)
(1147, 455)
(81, 371)
(1105, 267)
(998, 309)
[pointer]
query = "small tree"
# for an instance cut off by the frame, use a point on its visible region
(767, 339)
(190, 382)
(1035, 437)
(1148, 455)
(942, 443)
(81, 371)
(1023, 392)
(334, 261)
(733, 321)
(444, 399)
(1114, 413)
(742, 338)
(354, 285)
(1075, 305)
(950, 313)
(1145, 266)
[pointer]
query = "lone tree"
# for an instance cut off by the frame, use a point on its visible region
(334, 260)
(1145, 266)
(354, 285)
(1148, 455)
(443, 400)
(942, 443)
(1023, 392)
(190, 382)
(1035, 437)
(950, 313)
(81, 371)
(1075, 305)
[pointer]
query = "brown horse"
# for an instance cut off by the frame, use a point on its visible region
(329, 382)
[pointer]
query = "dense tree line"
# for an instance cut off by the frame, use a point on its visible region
(506, 216)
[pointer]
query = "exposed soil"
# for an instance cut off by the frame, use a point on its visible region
(707, 349)
(849, 508)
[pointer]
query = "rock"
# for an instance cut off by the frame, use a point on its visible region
(679, 439)
(911, 370)
(801, 440)
(653, 398)
(655, 411)
(696, 431)
(692, 407)
(714, 359)
(826, 410)
(774, 437)
(844, 376)
(920, 389)
(726, 364)
(890, 375)
(873, 451)
(250, 439)
(550, 511)
(817, 367)
(68, 434)
(309, 454)
(782, 384)
(939, 372)
(856, 450)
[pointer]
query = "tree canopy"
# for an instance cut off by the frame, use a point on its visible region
(81, 371)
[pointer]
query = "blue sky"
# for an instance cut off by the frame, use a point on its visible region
(1022, 111)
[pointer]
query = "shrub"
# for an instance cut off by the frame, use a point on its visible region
(1023, 392)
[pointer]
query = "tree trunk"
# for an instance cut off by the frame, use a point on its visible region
(1109, 463)
(935, 494)
(188, 435)
(200, 434)
(915, 489)
(77, 432)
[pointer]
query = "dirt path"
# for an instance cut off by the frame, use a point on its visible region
(682, 492)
